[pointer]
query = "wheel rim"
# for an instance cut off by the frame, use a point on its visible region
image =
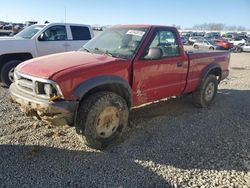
(108, 122)
(209, 91)
(11, 74)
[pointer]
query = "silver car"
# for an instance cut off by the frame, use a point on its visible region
(204, 44)
(242, 48)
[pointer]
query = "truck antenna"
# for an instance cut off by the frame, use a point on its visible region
(65, 14)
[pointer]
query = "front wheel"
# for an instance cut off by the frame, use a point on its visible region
(102, 118)
(206, 92)
(7, 72)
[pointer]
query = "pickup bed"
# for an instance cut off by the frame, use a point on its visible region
(39, 40)
(125, 66)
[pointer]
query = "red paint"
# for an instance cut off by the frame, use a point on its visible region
(224, 44)
(152, 79)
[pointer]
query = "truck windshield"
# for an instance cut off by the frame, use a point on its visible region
(30, 31)
(117, 42)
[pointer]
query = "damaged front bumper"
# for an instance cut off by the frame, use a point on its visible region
(57, 112)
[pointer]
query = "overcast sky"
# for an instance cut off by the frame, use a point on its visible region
(185, 13)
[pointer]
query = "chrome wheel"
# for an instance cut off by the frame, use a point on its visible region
(209, 91)
(11, 74)
(108, 122)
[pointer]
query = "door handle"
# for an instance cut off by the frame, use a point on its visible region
(179, 64)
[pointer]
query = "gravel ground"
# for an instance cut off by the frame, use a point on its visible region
(168, 144)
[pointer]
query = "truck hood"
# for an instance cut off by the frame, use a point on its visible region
(6, 38)
(47, 66)
(11, 38)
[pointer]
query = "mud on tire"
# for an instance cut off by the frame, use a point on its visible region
(102, 118)
(206, 92)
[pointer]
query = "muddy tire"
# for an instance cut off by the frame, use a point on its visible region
(205, 94)
(7, 72)
(102, 118)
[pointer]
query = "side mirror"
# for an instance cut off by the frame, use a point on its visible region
(42, 37)
(154, 54)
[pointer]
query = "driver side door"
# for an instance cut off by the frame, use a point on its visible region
(160, 78)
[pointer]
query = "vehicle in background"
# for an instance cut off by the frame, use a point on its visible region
(243, 47)
(16, 29)
(200, 34)
(29, 23)
(192, 40)
(230, 36)
(204, 44)
(184, 40)
(224, 44)
(123, 67)
(4, 33)
(186, 34)
(238, 41)
(212, 35)
(39, 40)
(8, 27)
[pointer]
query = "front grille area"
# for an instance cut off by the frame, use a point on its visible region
(24, 83)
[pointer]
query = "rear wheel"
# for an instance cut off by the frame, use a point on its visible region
(211, 48)
(102, 118)
(196, 46)
(7, 72)
(238, 49)
(205, 94)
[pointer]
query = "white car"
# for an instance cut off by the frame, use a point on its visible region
(204, 44)
(192, 40)
(242, 48)
(237, 42)
(39, 40)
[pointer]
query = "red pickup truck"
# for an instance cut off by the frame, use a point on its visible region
(124, 66)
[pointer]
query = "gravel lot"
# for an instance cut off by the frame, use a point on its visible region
(168, 144)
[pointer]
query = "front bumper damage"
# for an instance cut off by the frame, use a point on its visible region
(57, 112)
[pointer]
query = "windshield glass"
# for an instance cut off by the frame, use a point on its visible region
(117, 42)
(30, 31)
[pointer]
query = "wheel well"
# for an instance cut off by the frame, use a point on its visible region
(117, 88)
(16, 56)
(216, 72)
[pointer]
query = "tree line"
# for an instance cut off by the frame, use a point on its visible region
(218, 27)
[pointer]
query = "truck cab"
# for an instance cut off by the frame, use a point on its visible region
(39, 40)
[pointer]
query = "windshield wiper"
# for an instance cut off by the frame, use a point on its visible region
(110, 54)
(99, 51)
(85, 49)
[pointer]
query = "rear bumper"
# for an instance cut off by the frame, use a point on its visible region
(58, 112)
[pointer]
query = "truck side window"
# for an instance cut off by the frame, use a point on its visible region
(80, 33)
(166, 40)
(54, 33)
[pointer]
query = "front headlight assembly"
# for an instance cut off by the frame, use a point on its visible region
(48, 90)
